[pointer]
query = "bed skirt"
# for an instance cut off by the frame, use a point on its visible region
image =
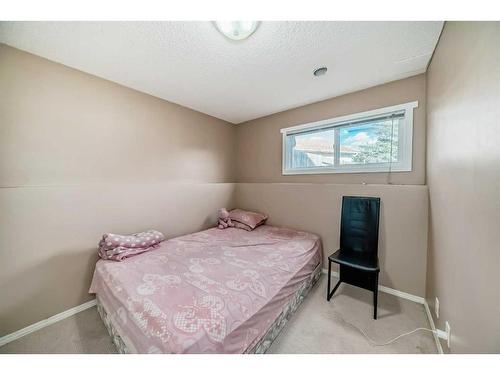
(262, 345)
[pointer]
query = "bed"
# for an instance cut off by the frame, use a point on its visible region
(215, 291)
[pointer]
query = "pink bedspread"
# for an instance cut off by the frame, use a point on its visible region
(215, 291)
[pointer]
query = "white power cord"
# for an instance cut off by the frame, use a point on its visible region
(373, 342)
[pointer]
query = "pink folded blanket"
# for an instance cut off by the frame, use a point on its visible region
(118, 247)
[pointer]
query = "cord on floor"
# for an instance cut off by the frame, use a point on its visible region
(373, 342)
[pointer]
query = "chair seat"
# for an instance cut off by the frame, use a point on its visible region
(355, 260)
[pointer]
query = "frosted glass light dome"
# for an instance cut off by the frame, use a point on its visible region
(237, 30)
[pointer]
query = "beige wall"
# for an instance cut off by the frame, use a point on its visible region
(316, 208)
(62, 126)
(463, 158)
(259, 141)
(80, 156)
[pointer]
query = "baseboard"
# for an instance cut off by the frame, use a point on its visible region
(433, 327)
(46, 322)
(409, 297)
(386, 289)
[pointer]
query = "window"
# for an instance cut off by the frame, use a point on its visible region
(373, 141)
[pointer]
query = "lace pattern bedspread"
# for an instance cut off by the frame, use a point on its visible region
(262, 345)
(216, 291)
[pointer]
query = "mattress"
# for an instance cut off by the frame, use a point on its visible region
(215, 291)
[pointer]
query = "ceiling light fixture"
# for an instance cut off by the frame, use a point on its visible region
(320, 71)
(237, 30)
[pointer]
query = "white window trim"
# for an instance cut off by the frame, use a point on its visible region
(405, 142)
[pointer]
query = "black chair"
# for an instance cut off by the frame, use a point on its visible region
(358, 253)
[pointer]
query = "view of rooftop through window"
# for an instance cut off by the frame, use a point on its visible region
(367, 142)
(314, 149)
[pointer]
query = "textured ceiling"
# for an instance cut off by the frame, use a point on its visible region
(192, 64)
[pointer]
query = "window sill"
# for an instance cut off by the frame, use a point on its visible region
(344, 170)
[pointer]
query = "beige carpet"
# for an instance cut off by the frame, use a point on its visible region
(315, 328)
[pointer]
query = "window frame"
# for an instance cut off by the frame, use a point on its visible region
(405, 141)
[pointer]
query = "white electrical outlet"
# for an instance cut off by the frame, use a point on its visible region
(436, 307)
(448, 333)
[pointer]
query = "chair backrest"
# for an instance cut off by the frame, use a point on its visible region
(359, 224)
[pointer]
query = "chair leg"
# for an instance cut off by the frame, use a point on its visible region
(328, 293)
(333, 291)
(375, 295)
(329, 280)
